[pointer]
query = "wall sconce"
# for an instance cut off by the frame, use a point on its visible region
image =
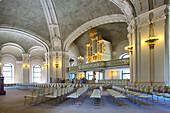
(43, 67)
(26, 66)
(46, 65)
(129, 48)
(56, 65)
(151, 41)
(81, 59)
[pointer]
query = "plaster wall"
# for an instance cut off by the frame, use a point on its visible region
(73, 52)
(19, 72)
(120, 49)
(159, 51)
(144, 73)
(143, 62)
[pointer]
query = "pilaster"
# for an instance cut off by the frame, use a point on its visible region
(26, 68)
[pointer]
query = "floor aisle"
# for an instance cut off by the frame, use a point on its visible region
(13, 102)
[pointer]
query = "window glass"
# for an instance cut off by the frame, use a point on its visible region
(36, 73)
(7, 73)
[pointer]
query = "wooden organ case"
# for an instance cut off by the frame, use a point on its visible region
(97, 49)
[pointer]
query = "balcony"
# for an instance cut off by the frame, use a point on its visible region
(112, 64)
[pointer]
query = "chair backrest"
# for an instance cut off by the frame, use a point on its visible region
(41, 91)
(50, 90)
(55, 93)
(59, 91)
(35, 92)
(46, 91)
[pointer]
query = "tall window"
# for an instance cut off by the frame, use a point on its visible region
(7, 73)
(126, 74)
(36, 73)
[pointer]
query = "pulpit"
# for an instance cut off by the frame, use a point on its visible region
(2, 92)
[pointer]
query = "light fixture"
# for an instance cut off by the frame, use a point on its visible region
(26, 66)
(129, 48)
(81, 59)
(151, 41)
(46, 65)
(56, 65)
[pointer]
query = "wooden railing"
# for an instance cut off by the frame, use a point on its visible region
(118, 63)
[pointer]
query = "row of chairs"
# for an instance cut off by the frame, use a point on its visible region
(78, 93)
(159, 91)
(116, 96)
(40, 95)
(144, 91)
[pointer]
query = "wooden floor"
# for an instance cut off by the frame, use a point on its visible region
(13, 102)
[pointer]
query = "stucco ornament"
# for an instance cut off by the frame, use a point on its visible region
(56, 43)
(126, 8)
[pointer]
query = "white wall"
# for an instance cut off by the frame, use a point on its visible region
(73, 52)
(120, 49)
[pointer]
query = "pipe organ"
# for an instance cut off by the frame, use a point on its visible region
(97, 49)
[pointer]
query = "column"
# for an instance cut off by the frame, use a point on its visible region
(135, 35)
(47, 70)
(167, 45)
(85, 74)
(65, 62)
(26, 68)
(0, 65)
(103, 73)
(151, 54)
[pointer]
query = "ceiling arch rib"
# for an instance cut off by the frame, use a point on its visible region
(52, 22)
(13, 45)
(126, 8)
(33, 36)
(35, 48)
(91, 24)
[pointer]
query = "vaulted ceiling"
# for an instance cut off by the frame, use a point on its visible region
(32, 16)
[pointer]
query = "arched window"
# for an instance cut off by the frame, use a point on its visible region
(36, 73)
(125, 55)
(8, 73)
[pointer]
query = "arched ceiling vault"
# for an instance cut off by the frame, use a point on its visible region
(24, 38)
(64, 17)
(56, 20)
(91, 24)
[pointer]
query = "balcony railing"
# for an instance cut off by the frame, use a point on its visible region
(118, 63)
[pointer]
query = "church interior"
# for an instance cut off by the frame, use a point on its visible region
(60, 56)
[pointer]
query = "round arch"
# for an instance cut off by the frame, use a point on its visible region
(91, 24)
(40, 39)
(13, 45)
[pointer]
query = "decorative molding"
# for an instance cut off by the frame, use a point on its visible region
(126, 8)
(91, 24)
(26, 55)
(14, 45)
(36, 57)
(52, 22)
(8, 55)
(159, 14)
(45, 43)
(19, 62)
(35, 48)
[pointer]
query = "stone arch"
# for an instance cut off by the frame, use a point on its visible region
(91, 24)
(29, 34)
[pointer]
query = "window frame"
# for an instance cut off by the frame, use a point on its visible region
(11, 72)
(33, 73)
